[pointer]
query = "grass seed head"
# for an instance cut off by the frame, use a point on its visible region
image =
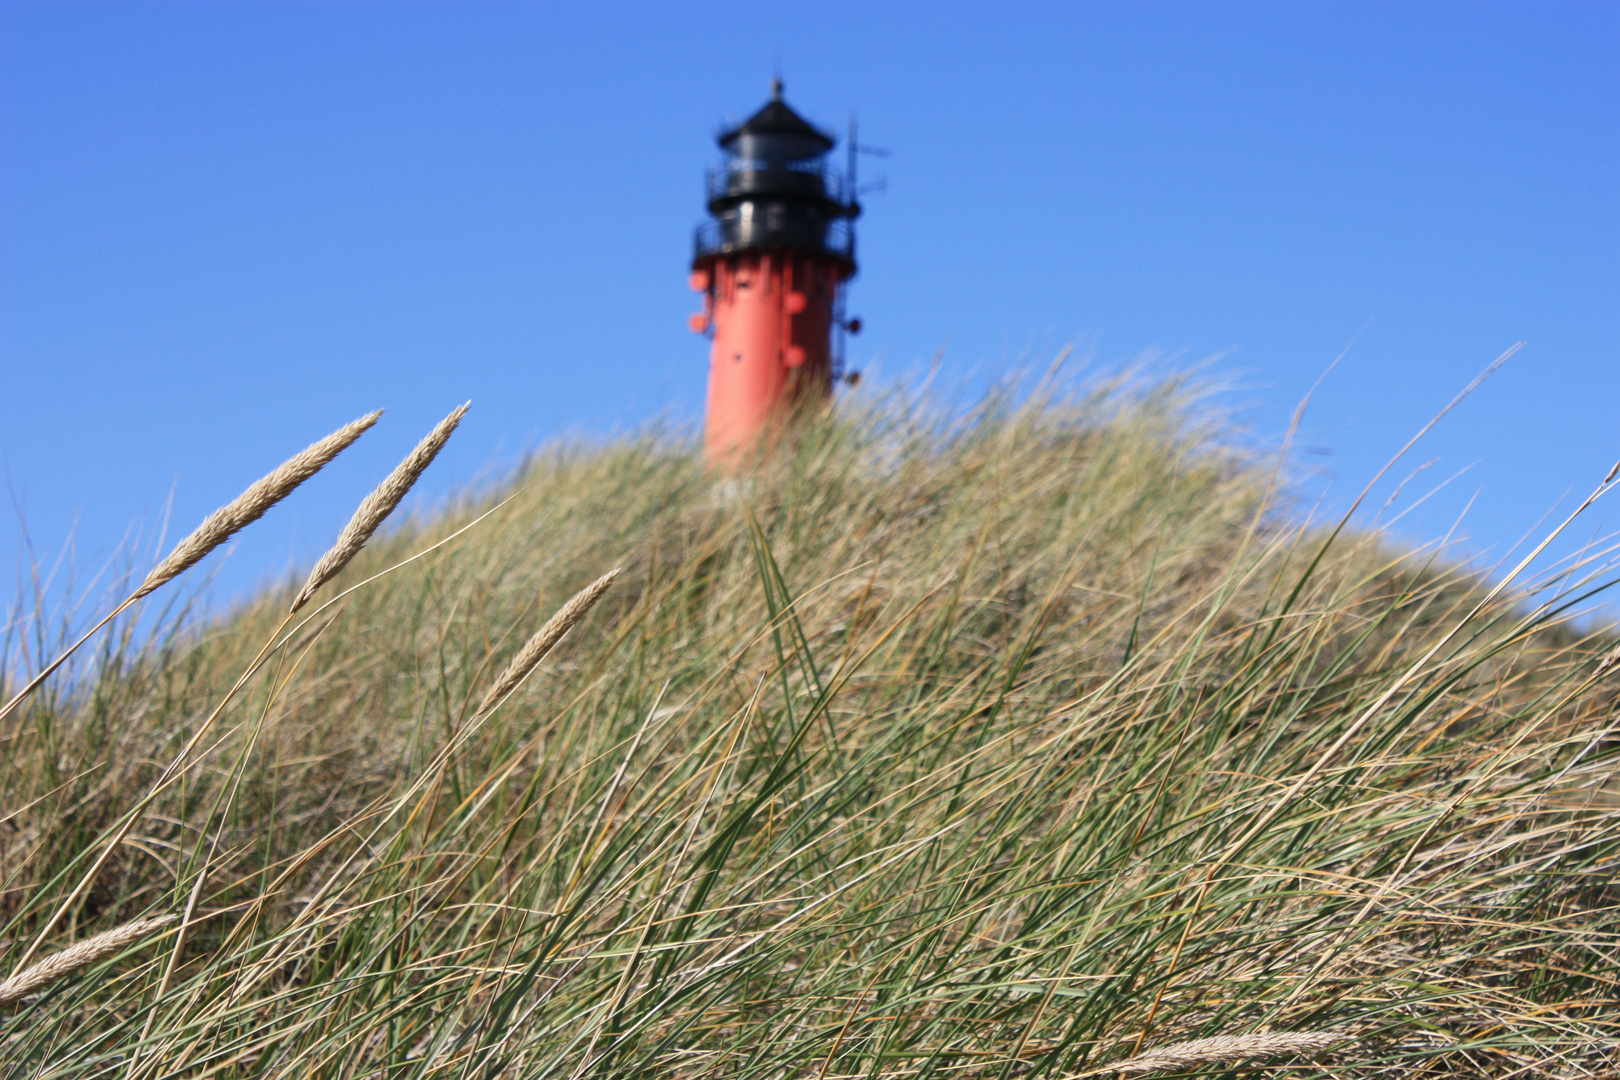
(545, 639)
(249, 506)
(1226, 1050)
(377, 506)
(78, 957)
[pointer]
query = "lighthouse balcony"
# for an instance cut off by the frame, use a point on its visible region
(769, 232)
(747, 178)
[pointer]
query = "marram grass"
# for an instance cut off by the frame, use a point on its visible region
(1020, 746)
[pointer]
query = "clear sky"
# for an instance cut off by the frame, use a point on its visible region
(227, 228)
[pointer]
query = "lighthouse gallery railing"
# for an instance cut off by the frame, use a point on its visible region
(710, 240)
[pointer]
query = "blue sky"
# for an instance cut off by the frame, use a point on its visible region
(227, 228)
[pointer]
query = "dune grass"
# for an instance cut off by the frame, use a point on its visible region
(1018, 745)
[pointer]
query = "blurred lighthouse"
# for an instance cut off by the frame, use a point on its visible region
(771, 266)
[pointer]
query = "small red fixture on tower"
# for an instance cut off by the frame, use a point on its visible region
(771, 267)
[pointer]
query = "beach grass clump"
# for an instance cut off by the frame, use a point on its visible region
(1042, 741)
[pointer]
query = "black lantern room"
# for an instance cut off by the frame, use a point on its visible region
(775, 191)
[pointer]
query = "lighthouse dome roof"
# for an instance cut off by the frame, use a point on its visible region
(776, 118)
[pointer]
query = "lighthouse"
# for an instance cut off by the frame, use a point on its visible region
(771, 265)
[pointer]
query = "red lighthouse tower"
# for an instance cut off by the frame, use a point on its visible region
(771, 266)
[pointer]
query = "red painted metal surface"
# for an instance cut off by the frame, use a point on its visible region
(772, 316)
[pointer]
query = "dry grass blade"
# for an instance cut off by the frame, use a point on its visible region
(377, 506)
(80, 956)
(1225, 1050)
(249, 506)
(545, 639)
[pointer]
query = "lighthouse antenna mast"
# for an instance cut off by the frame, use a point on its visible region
(850, 149)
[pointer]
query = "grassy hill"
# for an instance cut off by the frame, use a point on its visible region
(1013, 746)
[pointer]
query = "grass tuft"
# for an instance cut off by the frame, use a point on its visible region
(1013, 744)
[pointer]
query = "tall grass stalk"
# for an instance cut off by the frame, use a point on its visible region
(993, 746)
